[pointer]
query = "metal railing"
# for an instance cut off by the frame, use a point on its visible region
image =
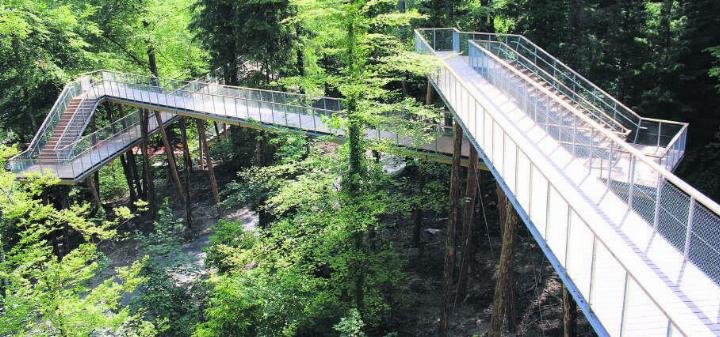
(47, 128)
(671, 208)
(205, 99)
(594, 98)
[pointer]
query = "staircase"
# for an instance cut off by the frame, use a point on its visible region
(68, 129)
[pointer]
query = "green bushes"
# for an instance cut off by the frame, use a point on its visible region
(296, 276)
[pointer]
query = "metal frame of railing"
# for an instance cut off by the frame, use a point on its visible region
(454, 39)
(671, 203)
(512, 56)
(47, 127)
(221, 102)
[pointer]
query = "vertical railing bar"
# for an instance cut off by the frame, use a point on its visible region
(688, 231)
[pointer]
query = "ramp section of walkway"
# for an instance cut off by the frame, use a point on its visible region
(619, 229)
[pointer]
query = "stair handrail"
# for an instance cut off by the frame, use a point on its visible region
(615, 124)
(54, 114)
(623, 111)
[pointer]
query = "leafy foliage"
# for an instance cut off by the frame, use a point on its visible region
(46, 294)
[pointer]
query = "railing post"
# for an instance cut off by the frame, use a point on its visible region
(456, 41)
(658, 196)
(631, 180)
(688, 232)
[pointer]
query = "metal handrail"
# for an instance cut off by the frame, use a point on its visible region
(624, 130)
(65, 90)
(538, 51)
(565, 67)
(669, 176)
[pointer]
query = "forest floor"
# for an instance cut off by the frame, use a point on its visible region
(537, 305)
(538, 301)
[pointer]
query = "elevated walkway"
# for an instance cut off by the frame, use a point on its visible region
(60, 149)
(591, 180)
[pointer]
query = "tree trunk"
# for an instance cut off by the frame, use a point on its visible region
(569, 314)
(132, 164)
(149, 187)
(208, 160)
(503, 295)
(126, 168)
(170, 157)
(429, 93)
(90, 180)
(454, 220)
(188, 169)
(201, 154)
(217, 130)
(152, 62)
(96, 174)
(468, 225)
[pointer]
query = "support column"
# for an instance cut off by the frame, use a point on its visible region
(454, 220)
(170, 157)
(569, 314)
(429, 94)
(126, 168)
(468, 226)
(503, 290)
(147, 168)
(188, 168)
(208, 160)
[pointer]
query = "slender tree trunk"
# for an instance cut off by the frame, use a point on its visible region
(149, 187)
(503, 295)
(217, 130)
(201, 153)
(569, 314)
(208, 160)
(126, 168)
(429, 93)
(96, 174)
(454, 220)
(152, 62)
(90, 180)
(170, 158)
(468, 225)
(355, 172)
(132, 165)
(188, 168)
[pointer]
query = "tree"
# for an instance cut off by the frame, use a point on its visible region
(348, 56)
(49, 295)
(239, 34)
(504, 283)
(42, 46)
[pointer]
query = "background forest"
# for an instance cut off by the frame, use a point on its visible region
(309, 238)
